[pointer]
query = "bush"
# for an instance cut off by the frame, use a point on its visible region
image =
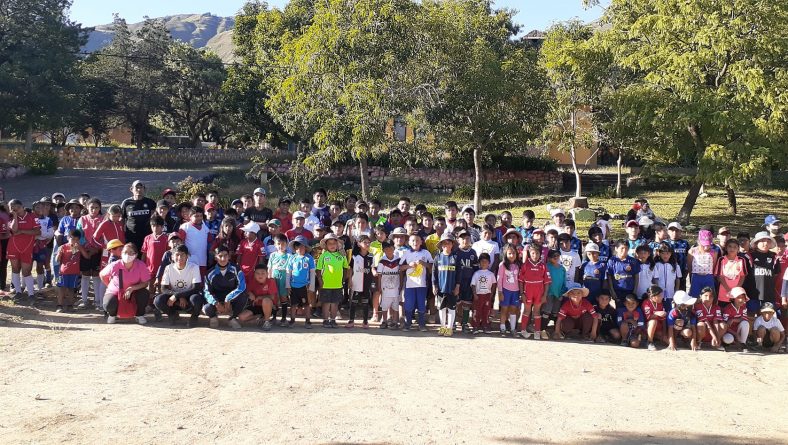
(524, 163)
(191, 186)
(41, 161)
(495, 190)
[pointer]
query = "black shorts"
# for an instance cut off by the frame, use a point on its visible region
(91, 264)
(446, 301)
(333, 296)
(466, 295)
(298, 297)
(361, 297)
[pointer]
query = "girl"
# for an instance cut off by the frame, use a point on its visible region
(646, 275)
(666, 273)
(655, 316)
(630, 322)
(622, 273)
(228, 237)
(577, 314)
(110, 229)
(509, 288)
(682, 321)
(700, 264)
(730, 270)
(69, 257)
(735, 324)
(5, 217)
(417, 264)
(89, 265)
(127, 286)
(534, 283)
(709, 318)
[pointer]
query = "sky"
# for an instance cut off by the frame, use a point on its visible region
(533, 14)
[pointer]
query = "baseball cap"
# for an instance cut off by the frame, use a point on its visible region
(137, 183)
(299, 214)
(285, 200)
(259, 190)
(680, 297)
(723, 230)
(767, 307)
(632, 223)
(162, 203)
(770, 219)
(555, 212)
(167, 192)
(173, 236)
(592, 247)
(704, 238)
(45, 200)
(645, 221)
(58, 195)
(274, 222)
(469, 208)
(251, 226)
(210, 206)
(236, 202)
(675, 225)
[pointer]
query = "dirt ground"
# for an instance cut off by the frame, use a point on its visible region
(70, 378)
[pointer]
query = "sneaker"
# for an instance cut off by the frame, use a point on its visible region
(157, 314)
(110, 320)
(59, 309)
(233, 323)
(350, 325)
(623, 342)
(192, 323)
(282, 323)
(406, 326)
(174, 318)
(213, 322)
(308, 324)
(503, 332)
(267, 325)
(721, 348)
(525, 334)
(384, 325)
(333, 324)
(141, 319)
(544, 335)
(466, 329)
(326, 324)
(744, 349)
(291, 323)
(652, 347)
(365, 325)
(449, 332)
(422, 328)
(488, 331)
(476, 331)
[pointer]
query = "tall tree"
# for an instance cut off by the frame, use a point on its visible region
(714, 77)
(480, 89)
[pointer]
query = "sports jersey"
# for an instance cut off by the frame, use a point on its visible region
(680, 320)
(665, 275)
(576, 245)
(445, 273)
(332, 265)
(733, 316)
(680, 249)
(136, 213)
(361, 265)
(224, 285)
(535, 277)
(257, 215)
(322, 214)
(88, 225)
(508, 277)
(483, 281)
(771, 324)
(20, 243)
(293, 233)
(153, 248)
(571, 262)
(277, 267)
(607, 318)
(109, 230)
(489, 247)
(468, 261)
(570, 310)
(593, 275)
(267, 288)
(764, 271)
(69, 261)
(299, 267)
(557, 280)
(197, 239)
(526, 233)
(47, 232)
(249, 255)
(416, 276)
(623, 273)
(181, 280)
(650, 309)
(633, 244)
(388, 269)
(213, 226)
(710, 314)
(645, 278)
(635, 317)
(604, 251)
(66, 225)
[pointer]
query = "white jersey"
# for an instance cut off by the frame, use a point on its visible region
(388, 270)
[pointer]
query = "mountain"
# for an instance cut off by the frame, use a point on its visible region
(199, 30)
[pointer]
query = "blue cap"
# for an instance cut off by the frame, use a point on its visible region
(259, 190)
(770, 219)
(235, 202)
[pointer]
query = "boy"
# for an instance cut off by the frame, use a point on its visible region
(417, 265)
(277, 270)
(468, 261)
(427, 226)
(225, 291)
(361, 280)
(181, 287)
(469, 215)
(335, 209)
(593, 272)
(432, 241)
(451, 209)
(389, 282)
(195, 235)
(250, 251)
(575, 243)
(735, 323)
(558, 217)
(596, 236)
(555, 288)
(375, 217)
(269, 243)
(634, 240)
(282, 213)
(577, 314)
(483, 284)
(69, 257)
(212, 220)
(630, 322)
(445, 284)
(299, 227)
(153, 248)
(395, 220)
(163, 210)
(608, 324)
(301, 280)
(506, 224)
(655, 316)
(682, 321)
(404, 206)
(263, 294)
(527, 229)
(680, 249)
(769, 332)
(487, 245)
(570, 259)
(350, 208)
(332, 276)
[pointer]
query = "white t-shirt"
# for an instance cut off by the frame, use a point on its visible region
(645, 277)
(483, 281)
(416, 276)
(773, 323)
(181, 280)
(388, 269)
(489, 247)
(571, 262)
(665, 276)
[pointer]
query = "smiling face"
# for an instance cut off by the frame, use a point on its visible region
(414, 242)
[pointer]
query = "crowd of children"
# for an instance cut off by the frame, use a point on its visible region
(400, 269)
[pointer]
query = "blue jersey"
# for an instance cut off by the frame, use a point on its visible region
(604, 251)
(680, 320)
(680, 249)
(66, 225)
(299, 267)
(527, 234)
(213, 227)
(468, 262)
(593, 276)
(576, 245)
(634, 244)
(623, 273)
(445, 272)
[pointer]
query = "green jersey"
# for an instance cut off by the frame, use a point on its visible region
(332, 265)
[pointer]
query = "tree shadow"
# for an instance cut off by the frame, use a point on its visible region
(634, 438)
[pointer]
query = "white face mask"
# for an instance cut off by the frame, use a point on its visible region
(126, 258)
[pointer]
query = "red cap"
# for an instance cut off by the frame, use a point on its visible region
(167, 192)
(632, 223)
(210, 206)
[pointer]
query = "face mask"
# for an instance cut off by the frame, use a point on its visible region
(126, 258)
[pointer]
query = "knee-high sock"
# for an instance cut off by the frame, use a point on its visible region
(98, 291)
(452, 313)
(40, 281)
(466, 313)
(443, 316)
(29, 284)
(513, 322)
(537, 323)
(16, 281)
(85, 288)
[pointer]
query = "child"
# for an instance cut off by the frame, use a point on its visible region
(577, 314)
(263, 296)
(110, 229)
(299, 227)
(361, 280)
(596, 236)
(417, 265)
(769, 332)
(680, 248)
(68, 222)
(655, 316)
(225, 291)
(682, 321)
(483, 284)
(446, 287)
(700, 264)
(570, 258)
(269, 242)
(646, 274)
(451, 210)
(375, 217)
(228, 237)
(574, 242)
(163, 210)
(593, 273)
(432, 240)
(69, 257)
(469, 215)
(608, 325)
(389, 281)
(212, 220)
(527, 229)
(89, 266)
(196, 237)
(536, 281)
(282, 213)
(277, 270)
(735, 324)
(506, 224)
(633, 237)
(509, 288)
(41, 247)
(153, 248)
(622, 273)
(332, 276)
(709, 318)
(181, 287)
(468, 261)
(301, 280)
(666, 273)
(250, 250)
(765, 269)
(630, 322)
(488, 245)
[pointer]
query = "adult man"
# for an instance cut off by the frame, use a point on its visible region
(137, 211)
(258, 212)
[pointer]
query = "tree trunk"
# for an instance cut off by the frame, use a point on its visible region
(477, 181)
(732, 208)
(697, 184)
(364, 171)
(573, 156)
(29, 136)
(618, 174)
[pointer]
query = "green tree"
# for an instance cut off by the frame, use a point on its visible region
(344, 77)
(481, 90)
(712, 87)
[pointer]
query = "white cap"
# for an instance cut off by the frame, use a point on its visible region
(681, 297)
(251, 226)
(469, 207)
(556, 212)
(645, 221)
(592, 247)
(299, 214)
(675, 225)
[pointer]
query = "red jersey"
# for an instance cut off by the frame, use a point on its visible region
(534, 273)
(153, 248)
(649, 310)
(69, 262)
(249, 255)
(23, 243)
(734, 316)
(89, 226)
(266, 289)
(709, 314)
(568, 309)
(291, 234)
(108, 231)
(286, 219)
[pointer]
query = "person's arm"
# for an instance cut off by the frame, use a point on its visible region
(671, 337)
(694, 342)
(209, 298)
(238, 290)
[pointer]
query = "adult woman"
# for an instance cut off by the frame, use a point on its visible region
(127, 286)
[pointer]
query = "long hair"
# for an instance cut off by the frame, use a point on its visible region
(506, 247)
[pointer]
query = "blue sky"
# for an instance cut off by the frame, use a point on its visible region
(533, 14)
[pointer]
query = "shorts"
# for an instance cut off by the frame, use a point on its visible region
(68, 281)
(42, 255)
(510, 298)
(551, 306)
(446, 301)
(387, 303)
(753, 307)
(91, 264)
(533, 293)
(14, 253)
(466, 295)
(298, 297)
(360, 298)
(699, 282)
(331, 296)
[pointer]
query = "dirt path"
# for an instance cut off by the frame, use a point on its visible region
(111, 186)
(73, 379)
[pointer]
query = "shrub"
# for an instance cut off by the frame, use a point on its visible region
(191, 186)
(40, 161)
(524, 163)
(495, 190)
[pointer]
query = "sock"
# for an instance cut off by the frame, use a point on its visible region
(503, 326)
(29, 284)
(48, 276)
(98, 291)
(16, 282)
(466, 313)
(452, 314)
(443, 316)
(537, 324)
(40, 282)
(513, 322)
(85, 288)
(284, 312)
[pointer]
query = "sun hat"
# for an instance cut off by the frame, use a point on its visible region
(675, 225)
(632, 223)
(704, 238)
(680, 297)
(114, 244)
(299, 214)
(513, 231)
(760, 236)
(737, 292)
(251, 226)
(645, 221)
(447, 236)
(555, 212)
(770, 219)
(592, 247)
(260, 191)
(576, 286)
(301, 241)
(767, 307)
(327, 238)
(399, 231)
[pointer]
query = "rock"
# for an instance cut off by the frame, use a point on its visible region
(580, 202)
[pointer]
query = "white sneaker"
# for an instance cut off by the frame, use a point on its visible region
(110, 320)
(545, 335)
(141, 320)
(525, 334)
(234, 324)
(82, 305)
(213, 322)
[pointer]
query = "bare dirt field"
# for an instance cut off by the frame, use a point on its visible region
(70, 378)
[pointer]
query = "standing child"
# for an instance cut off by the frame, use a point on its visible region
(700, 264)
(682, 321)
(483, 284)
(361, 279)
(646, 274)
(301, 279)
(555, 291)
(332, 276)
(593, 272)
(250, 250)
(196, 236)
(680, 249)
(468, 261)
(536, 280)
(24, 229)
(445, 284)
(527, 229)
(488, 245)
(765, 268)
(90, 265)
(666, 273)
(69, 256)
(153, 248)
(389, 283)
(570, 258)
(655, 316)
(709, 318)
(277, 270)
(509, 288)
(417, 264)
(596, 236)
(622, 273)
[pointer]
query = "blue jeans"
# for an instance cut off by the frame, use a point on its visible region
(238, 304)
(415, 297)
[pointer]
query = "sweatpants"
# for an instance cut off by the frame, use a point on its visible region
(238, 305)
(359, 299)
(415, 297)
(482, 306)
(141, 297)
(196, 302)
